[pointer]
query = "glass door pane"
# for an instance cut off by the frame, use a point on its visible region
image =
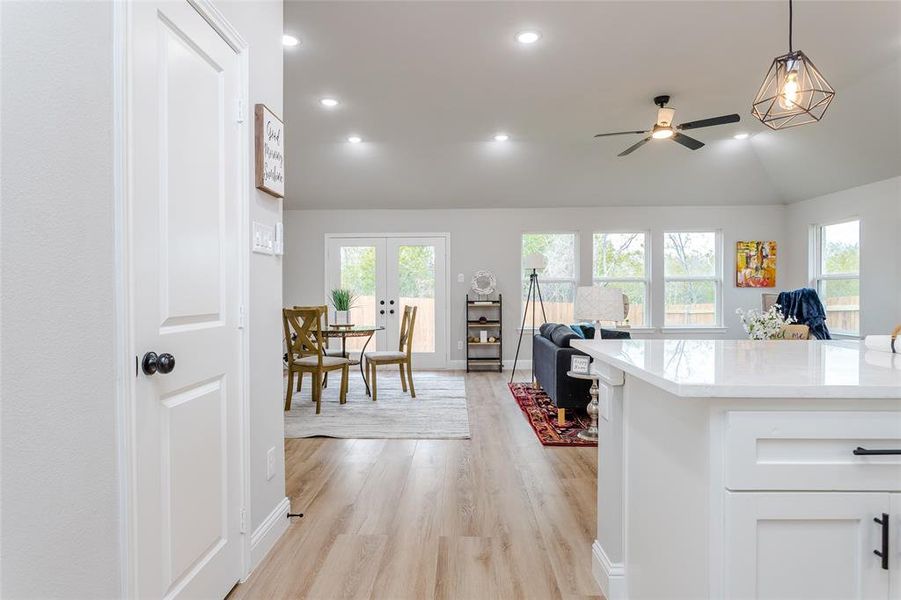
(358, 265)
(417, 277)
(416, 287)
(358, 275)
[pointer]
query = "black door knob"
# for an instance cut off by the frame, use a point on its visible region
(166, 363)
(152, 362)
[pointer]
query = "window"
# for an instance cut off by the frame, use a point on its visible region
(836, 274)
(692, 279)
(557, 281)
(620, 260)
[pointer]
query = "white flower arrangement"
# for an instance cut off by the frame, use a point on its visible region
(764, 325)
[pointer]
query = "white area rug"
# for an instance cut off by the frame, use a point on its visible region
(438, 411)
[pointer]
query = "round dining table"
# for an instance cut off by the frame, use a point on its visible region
(353, 331)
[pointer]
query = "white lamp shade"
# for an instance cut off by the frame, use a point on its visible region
(536, 261)
(596, 303)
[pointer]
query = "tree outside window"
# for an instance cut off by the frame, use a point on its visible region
(692, 280)
(558, 280)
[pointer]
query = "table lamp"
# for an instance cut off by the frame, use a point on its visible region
(597, 303)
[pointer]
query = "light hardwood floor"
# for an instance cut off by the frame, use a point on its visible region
(496, 516)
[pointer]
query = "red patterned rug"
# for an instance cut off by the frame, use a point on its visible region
(542, 415)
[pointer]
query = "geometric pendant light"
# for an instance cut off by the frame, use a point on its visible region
(794, 92)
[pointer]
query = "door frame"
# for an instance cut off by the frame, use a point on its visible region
(328, 237)
(122, 253)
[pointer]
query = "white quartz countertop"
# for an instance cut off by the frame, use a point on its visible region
(749, 369)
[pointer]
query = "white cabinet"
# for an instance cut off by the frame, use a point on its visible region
(801, 546)
(800, 505)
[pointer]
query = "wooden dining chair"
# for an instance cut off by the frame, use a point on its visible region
(325, 340)
(402, 357)
(306, 353)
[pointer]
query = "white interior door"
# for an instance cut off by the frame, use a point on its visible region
(184, 231)
(386, 274)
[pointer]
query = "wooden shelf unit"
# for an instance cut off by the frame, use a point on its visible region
(493, 312)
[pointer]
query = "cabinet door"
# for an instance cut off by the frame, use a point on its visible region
(814, 546)
(895, 547)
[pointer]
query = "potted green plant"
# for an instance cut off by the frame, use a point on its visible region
(342, 300)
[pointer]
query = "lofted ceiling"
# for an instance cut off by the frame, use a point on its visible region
(428, 84)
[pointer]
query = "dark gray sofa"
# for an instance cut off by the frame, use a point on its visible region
(551, 356)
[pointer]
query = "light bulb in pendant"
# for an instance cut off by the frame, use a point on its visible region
(788, 99)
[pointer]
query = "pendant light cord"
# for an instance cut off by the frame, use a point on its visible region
(790, 27)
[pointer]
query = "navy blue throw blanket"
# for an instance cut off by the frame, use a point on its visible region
(805, 306)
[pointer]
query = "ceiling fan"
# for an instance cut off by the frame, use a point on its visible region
(664, 129)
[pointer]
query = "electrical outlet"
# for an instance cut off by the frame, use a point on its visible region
(460, 278)
(270, 464)
(459, 344)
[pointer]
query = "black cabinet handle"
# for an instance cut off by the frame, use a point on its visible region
(381, 312)
(391, 311)
(382, 302)
(864, 452)
(883, 554)
(391, 302)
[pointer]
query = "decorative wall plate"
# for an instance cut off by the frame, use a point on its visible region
(484, 283)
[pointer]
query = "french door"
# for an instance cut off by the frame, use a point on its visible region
(387, 273)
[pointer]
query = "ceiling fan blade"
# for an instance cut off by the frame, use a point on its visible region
(688, 142)
(635, 147)
(619, 133)
(733, 118)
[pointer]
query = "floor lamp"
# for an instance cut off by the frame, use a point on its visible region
(534, 262)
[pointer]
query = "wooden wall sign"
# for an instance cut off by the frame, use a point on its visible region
(269, 142)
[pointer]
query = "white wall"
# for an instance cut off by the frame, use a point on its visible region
(60, 487)
(490, 239)
(878, 206)
(260, 23)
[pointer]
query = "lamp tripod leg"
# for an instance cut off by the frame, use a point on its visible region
(521, 331)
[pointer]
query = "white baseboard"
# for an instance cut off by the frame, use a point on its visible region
(611, 576)
(521, 365)
(270, 530)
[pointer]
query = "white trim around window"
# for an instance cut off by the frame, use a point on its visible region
(819, 279)
(646, 280)
(542, 280)
(716, 279)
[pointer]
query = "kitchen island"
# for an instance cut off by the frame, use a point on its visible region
(746, 469)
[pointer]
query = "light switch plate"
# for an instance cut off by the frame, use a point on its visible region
(263, 238)
(279, 246)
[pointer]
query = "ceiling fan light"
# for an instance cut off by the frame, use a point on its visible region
(665, 116)
(661, 133)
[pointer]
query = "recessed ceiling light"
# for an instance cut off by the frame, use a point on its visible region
(354, 139)
(740, 136)
(290, 40)
(501, 137)
(528, 37)
(329, 102)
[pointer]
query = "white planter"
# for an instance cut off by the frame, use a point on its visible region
(341, 317)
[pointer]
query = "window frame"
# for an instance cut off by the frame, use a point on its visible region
(646, 280)
(541, 278)
(815, 267)
(716, 278)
